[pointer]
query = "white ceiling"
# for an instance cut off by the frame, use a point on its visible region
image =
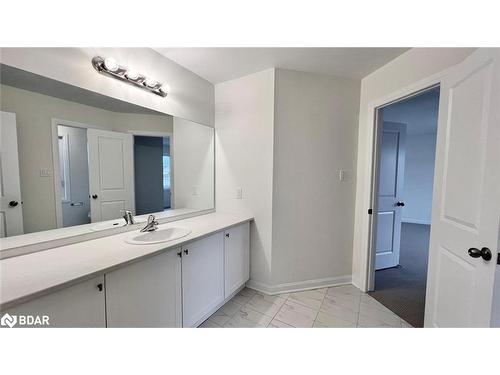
(222, 64)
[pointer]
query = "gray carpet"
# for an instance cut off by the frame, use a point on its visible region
(402, 289)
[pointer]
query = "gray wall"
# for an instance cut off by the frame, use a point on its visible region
(148, 171)
(315, 133)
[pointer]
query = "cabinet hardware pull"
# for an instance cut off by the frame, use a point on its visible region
(99, 286)
(227, 235)
(186, 251)
(179, 254)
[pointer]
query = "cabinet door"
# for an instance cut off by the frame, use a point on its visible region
(80, 305)
(236, 255)
(202, 278)
(146, 293)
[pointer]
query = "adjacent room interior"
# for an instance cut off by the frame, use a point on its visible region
(407, 147)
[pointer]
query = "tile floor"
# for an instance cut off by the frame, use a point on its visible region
(341, 306)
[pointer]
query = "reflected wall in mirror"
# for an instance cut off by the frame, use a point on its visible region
(71, 157)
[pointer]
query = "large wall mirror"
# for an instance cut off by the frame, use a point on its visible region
(83, 159)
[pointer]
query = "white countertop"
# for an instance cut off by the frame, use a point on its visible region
(26, 277)
(64, 236)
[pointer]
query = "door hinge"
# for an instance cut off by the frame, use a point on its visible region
(370, 211)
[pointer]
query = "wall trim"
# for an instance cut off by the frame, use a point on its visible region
(411, 220)
(299, 285)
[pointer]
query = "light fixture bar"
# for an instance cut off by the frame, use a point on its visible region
(111, 68)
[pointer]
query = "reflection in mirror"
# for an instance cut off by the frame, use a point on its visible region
(74, 158)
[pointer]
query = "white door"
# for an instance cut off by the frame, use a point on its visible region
(146, 293)
(390, 190)
(80, 305)
(11, 212)
(111, 174)
(466, 202)
(236, 258)
(202, 279)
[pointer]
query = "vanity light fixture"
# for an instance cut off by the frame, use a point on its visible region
(111, 68)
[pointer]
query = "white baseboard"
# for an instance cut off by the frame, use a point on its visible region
(299, 286)
(415, 221)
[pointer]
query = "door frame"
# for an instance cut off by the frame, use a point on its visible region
(55, 122)
(369, 221)
(170, 136)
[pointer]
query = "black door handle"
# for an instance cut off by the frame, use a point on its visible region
(484, 253)
(13, 203)
(99, 286)
(227, 235)
(400, 204)
(186, 251)
(94, 196)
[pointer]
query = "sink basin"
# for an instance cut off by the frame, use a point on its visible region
(158, 236)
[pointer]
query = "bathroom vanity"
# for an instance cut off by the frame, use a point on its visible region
(109, 282)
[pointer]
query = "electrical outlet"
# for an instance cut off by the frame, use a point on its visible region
(239, 193)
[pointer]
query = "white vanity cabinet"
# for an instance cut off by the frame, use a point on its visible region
(202, 278)
(178, 287)
(146, 293)
(236, 258)
(80, 305)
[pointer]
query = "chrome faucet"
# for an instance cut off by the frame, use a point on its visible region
(129, 218)
(152, 224)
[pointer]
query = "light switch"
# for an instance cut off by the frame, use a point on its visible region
(342, 175)
(239, 193)
(45, 172)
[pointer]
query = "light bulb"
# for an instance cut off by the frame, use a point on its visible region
(132, 75)
(151, 82)
(111, 64)
(165, 88)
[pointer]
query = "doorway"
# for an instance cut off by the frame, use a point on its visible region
(406, 147)
(152, 173)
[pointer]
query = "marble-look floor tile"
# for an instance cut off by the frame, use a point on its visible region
(309, 298)
(244, 296)
(345, 301)
(346, 290)
(339, 310)
(328, 321)
(267, 305)
(275, 323)
(248, 317)
(375, 314)
(371, 321)
(296, 315)
(209, 324)
(225, 313)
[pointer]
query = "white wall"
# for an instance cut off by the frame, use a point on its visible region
(193, 165)
(191, 97)
(402, 72)
(315, 134)
(244, 157)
